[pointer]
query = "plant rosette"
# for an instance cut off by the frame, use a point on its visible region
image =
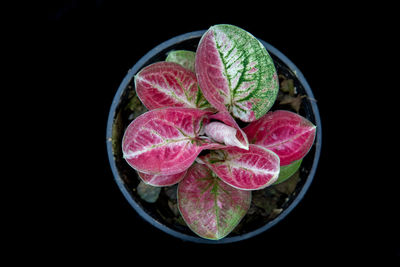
(205, 131)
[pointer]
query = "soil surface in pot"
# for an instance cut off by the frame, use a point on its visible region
(266, 204)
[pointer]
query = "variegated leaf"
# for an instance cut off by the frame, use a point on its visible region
(210, 207)
(165, 141)
(286, 133)
(168, 84)
(251, 169)
(235, 72)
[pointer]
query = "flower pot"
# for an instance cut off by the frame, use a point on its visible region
(125, 107)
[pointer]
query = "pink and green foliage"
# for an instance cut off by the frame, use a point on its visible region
(286, 133)
(168, 84)
(234, 72)
(165, 141)
(251, 169)
(210, 207)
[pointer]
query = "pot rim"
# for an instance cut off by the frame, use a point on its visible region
(159, 225)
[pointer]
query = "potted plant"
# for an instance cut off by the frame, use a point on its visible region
(214, 136)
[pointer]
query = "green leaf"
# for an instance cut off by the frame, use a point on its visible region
(288, 170)
(210, 207)
(236, 73)
(147, 192)
(182, 57)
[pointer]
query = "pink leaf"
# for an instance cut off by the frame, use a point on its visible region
(165, 141)
(161, 180)
(223, 133)
(286, 133)
(251, 169)
(235, 72)
(227, 119)
(168, 84)
(210, 207)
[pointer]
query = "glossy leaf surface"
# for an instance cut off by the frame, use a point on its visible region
(165, 141)
(210, 207)
(168, 84)
(251, 169)
(286, 133)
(235, 72)
(287, 171)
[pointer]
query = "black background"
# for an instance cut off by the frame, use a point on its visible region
(82, 52)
